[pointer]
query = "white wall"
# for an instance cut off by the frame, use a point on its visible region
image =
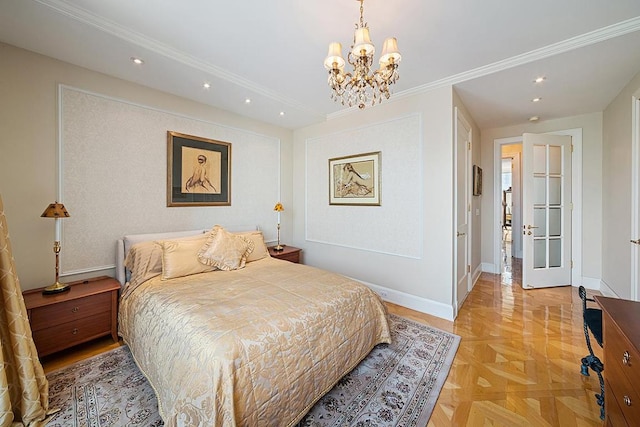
(424, 283)
(28, 151)
(592, 197)
(617, 139)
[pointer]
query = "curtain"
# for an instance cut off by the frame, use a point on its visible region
(24, 390)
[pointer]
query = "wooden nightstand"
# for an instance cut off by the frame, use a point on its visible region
(88, 310)
(289, 253)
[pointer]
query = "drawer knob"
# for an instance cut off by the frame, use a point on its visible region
(75, 309)
(627, 400)
(626, 357)
(75, 331)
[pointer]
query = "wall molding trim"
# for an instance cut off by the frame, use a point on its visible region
(399, 213)
(577, 42)
(413, 302)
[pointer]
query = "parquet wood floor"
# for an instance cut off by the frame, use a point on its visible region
(518, 363)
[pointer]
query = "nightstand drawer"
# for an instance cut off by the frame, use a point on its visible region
(71, 333)
(67, 311)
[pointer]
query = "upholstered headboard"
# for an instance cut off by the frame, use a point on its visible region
(123, 245)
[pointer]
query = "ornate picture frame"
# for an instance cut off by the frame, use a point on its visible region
(198, 171)
(355, 180)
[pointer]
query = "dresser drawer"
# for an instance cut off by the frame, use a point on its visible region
(67, 311)
(57, 337)
(621, 353)
(624, 394)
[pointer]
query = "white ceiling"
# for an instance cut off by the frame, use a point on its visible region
(272, 51)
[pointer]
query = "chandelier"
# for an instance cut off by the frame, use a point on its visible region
(363, 86)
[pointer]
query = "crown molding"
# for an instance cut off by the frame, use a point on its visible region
(114, 29)
(577, 42)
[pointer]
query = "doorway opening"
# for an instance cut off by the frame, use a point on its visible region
(575, 208)
(511, 216)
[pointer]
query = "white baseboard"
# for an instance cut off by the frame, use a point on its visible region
(591, 283)
(488, 267)
(413, 302)
(476, 275)
(606, 290)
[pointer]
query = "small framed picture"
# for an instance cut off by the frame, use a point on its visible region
(198, 171)
(355, 180)
(477, 180)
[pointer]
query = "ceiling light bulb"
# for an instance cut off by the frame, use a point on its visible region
(247, 101)
(534, 118)
(540, 79)
(536, 99)
(137, 60)
(206, 85)
(282, 113)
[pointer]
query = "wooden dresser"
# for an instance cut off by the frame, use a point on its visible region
(88, 310)
(621, 336)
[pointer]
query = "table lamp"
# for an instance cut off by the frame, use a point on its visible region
(57, 211)
(278, 208)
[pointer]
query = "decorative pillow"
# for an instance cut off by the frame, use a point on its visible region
(259, 246)
(180, 257)
(144, 260)
(224, 250)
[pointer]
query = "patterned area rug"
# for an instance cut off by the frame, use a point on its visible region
(395, 385)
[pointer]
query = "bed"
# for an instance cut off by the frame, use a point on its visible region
(254, 345)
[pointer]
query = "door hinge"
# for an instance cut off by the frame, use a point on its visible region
(469, 207)
(572, 148)
(469, 145)
(469, 268)
(571, 205)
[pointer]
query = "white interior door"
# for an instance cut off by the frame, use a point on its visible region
(546, 215)
(463, 206)
(635, 202)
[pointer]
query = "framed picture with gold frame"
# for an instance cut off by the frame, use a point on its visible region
(355, 180)
(198, 171)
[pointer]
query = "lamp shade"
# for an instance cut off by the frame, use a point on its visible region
(390, 51)
(362, 41)
(55, 210)
(334, 57)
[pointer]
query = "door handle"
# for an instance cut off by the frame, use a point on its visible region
(529, 227)
(635, 242)
(458, 234)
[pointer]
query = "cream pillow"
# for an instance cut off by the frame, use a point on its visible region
(259, 246)
(224, 250)
(180, 257)
(144, 260)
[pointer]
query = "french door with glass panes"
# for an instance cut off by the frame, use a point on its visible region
(546, 200)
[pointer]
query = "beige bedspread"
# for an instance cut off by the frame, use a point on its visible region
(251, 347)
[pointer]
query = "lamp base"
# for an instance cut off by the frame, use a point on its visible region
(278, 248)
(55, 288)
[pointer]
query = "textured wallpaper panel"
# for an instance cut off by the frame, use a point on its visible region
(393, 228)
(114, 166)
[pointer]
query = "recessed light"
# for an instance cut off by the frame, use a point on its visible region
(137, 60)
(282, 113)
(247, 101)
(534, 118)
(206, 85)
(540, 79)
(536, 99)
